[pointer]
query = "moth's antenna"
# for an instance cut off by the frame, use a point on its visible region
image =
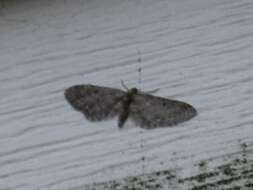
(124, 86)
(152, 91)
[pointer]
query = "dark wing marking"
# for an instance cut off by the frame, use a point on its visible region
(149, 111)
(95, 102)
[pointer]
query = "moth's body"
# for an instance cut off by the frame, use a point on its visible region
(148, 111)
(127, 99)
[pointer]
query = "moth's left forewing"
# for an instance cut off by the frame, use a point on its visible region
(150, 111)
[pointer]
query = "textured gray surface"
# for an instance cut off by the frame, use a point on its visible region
(195, 51)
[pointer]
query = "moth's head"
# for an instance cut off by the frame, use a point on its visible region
(133, 91)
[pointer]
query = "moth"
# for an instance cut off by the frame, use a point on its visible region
(98, 103)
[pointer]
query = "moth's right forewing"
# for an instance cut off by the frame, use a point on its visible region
(150, 111)
(95, 102)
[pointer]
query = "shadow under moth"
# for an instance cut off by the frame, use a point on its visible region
(98, 103)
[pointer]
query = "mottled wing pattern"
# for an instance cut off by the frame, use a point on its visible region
(149, 111)
(95, 102)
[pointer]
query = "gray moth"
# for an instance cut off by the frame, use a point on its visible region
(98, 103)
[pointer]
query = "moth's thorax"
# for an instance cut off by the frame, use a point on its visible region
(133, 91)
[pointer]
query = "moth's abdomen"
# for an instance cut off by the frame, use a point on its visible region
(124, 110)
